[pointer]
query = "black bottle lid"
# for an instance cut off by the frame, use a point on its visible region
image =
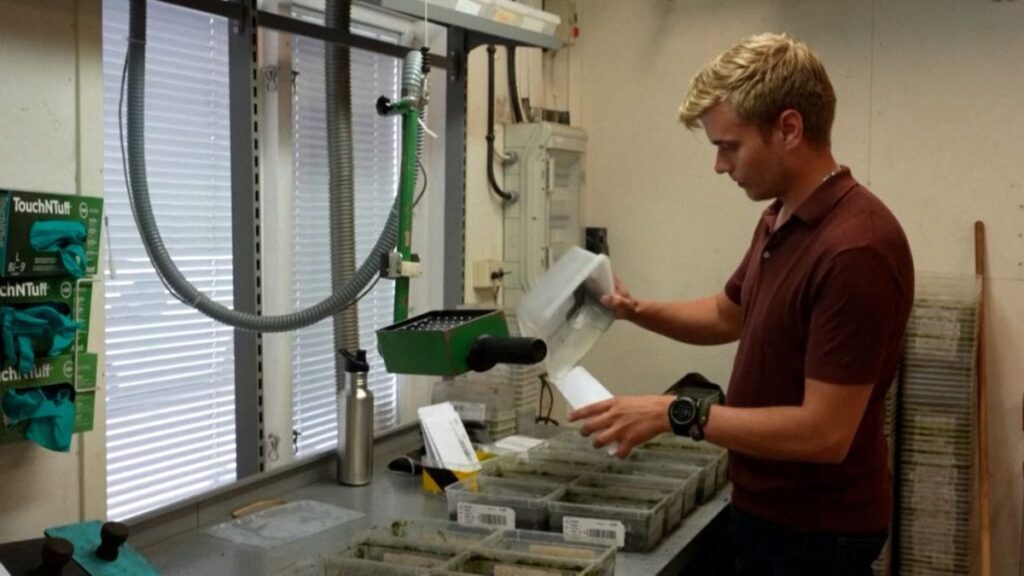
(355, 362)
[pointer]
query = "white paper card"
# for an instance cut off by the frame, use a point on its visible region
(446, 439)
(517, 443)
(577, 529)
(471, 411)
(3, 571)
(486, 516)
(580, 389)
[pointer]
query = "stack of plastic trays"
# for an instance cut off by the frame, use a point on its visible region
(500, 503)
(882, 566)
(632, 519)
(936, 433)
(481, 397)
(502, 424)
(524, 380)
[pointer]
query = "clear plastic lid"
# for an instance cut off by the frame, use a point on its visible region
(563, 308)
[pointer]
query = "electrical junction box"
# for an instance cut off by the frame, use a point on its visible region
(488, 274)
(546, 219)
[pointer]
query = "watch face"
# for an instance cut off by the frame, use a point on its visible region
(683, 411)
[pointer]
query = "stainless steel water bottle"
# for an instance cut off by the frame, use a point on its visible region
(355, 425)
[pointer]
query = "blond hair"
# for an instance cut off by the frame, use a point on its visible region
(761, 77)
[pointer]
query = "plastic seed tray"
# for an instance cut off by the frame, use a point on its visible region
(496, 502)
(633, 520)
(433, 548)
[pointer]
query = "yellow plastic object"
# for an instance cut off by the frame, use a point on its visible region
(435, 479)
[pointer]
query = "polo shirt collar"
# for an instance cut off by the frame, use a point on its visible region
(816, 206)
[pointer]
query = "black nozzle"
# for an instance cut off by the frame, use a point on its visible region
(490, 350)
(383, 106)
(355, 362)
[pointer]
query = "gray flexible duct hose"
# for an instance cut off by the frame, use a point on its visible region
(412, 75)
(413, 85)
(142, 208)
(338, 91)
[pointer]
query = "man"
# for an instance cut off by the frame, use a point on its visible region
(819, 306)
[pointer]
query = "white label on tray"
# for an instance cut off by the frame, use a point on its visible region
(472, 411)
(467, 7)
(486, 516)
(578, 529)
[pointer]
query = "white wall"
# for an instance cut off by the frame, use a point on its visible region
(51, 140)
(928, 117)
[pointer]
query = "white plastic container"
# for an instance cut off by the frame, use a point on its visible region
(563, 308)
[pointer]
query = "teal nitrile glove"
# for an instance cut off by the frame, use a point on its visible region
(64, 236)
(51, 415)
(20, 328)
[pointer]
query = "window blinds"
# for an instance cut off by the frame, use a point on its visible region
(169, 369)
(376, 149)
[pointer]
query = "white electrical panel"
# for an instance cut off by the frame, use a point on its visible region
(546, 219)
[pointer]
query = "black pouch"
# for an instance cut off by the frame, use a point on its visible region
(696, 385)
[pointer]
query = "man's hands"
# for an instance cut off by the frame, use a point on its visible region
(620, 301)
(628, 420)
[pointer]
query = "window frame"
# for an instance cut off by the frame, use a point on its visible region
(249, 66)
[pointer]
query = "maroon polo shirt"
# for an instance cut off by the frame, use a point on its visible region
(826, 296)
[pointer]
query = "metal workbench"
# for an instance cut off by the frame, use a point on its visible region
(174, 542)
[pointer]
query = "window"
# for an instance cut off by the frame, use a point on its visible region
(376, 156)
(169, 369)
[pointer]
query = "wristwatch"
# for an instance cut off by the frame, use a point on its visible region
(688, 416)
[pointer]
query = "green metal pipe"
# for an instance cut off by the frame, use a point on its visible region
(406, 192)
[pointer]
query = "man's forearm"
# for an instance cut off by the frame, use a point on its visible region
(778, 432)
(692, 321)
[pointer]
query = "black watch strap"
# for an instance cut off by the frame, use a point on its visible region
(697, 430)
